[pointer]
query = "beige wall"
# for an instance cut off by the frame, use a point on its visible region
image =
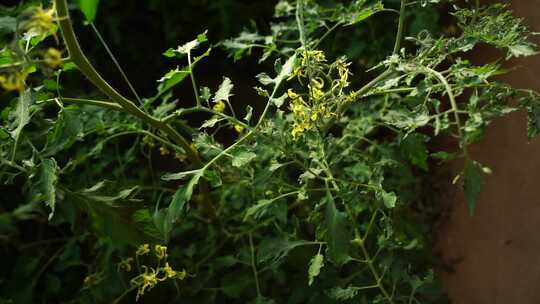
(499, 247)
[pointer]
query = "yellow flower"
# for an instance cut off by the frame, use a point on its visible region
(145, 281)
(161, 251)
(42, 21)
(164, 151)
(169, 272)
(219, 106)
(143, 249)
(53, 58)
(239, 129)
(125, 264)
(13, 82)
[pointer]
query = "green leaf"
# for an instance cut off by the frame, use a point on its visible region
(415, 149)
(176, 76)
(337, 233)
(366, 13)
(524, 50)
(145, 223)
(273, 250)
(243, 158)
(8, 24)
(533, 120)
(44, 190)
(472, 183)
(89, 9)
(389, 199)
(285, 71)
(224, 91)
(267, 207)
(315, 265)
(181, 197)
(343, 294)
(22, 114)
(67, 130)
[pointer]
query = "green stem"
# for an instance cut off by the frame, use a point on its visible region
(254, 265)
(453, 104)
(401, 22)
(300, 22)
(91, 102)
(187, 111)
(193, 82)
(116, 63)
(78, 58)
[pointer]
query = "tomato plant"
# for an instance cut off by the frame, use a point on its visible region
(316, 192)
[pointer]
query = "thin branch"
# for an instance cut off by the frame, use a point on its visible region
(116, 63)
(84, 65)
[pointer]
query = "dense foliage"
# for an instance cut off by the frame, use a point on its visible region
(320, 191)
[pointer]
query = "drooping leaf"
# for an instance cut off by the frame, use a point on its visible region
(22, 114)
(89, 9)
(44, 188)
(365, 13)
(533, 120)
(67, 130)
(315, 265)
(337, 233)
(273, 250)
(472, 183)
(181, 197)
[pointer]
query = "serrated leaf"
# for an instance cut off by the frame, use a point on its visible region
(343, 294)
(315, 265)
(67, 130)
(211, 122)
(284, 71)
(224, 90)
(524, 50)
(337, 233)
(45, 187)
(89, 9)
(143, 219)
(273, 250)
(366, 13)
(22, 114)
(472, 183)
(176, 76)
(243, 158)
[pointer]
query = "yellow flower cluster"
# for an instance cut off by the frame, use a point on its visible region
(14, 81)
(322, 99)
(308, 58)
(41, 22)
(306, 116)
(150, 276)
(53, 58)
(219, 106)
